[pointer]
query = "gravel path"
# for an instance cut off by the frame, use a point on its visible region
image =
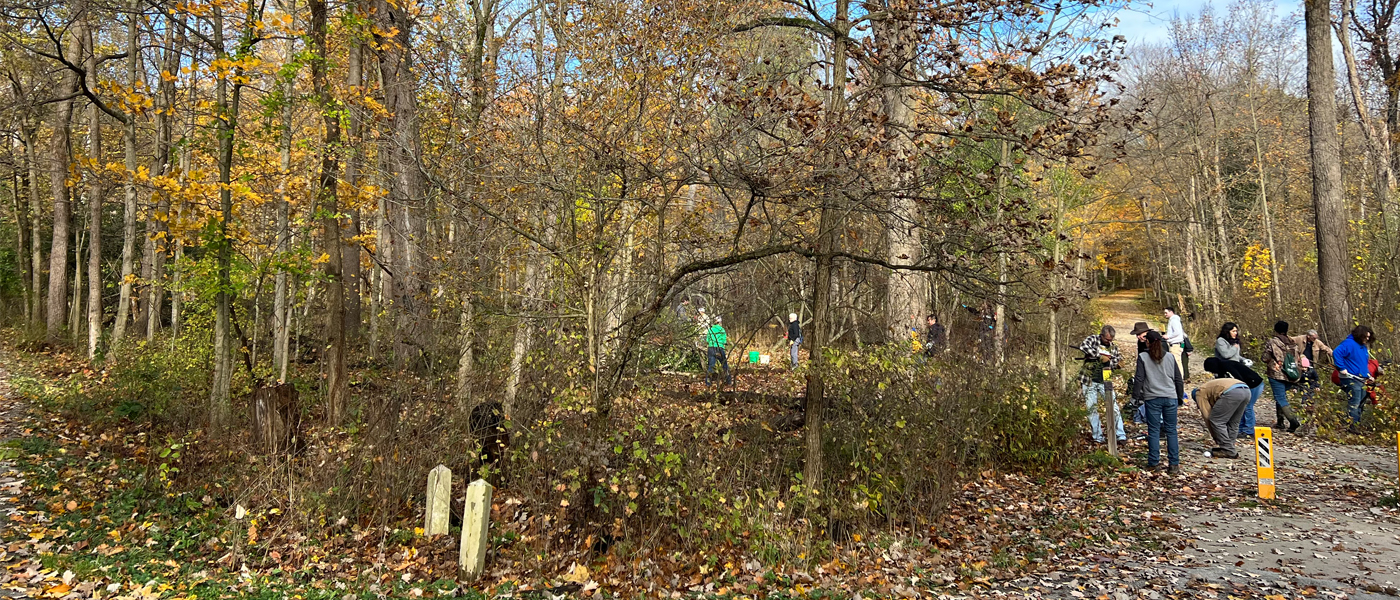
(1325, 535)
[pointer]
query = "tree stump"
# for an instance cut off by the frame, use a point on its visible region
(276, 418)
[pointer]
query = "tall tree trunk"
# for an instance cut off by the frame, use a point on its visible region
(19, 180)
(36, 252)
(95, 193)
(1277, 293)
(908, 292)
(225, 126)
(1377, 144)
(129, 199)
(814, 407)
(354, 274)
(281, 323)
(1331, 222)
(156, 224)
(330, 223)
(466, 361)
(60, 153)
(406, 189)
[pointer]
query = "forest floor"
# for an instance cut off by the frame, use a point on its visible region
(69, 528)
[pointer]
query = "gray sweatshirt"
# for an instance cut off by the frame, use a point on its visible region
(1157, 379)
(1224, 350)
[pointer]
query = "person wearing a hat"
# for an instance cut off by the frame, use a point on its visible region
(715, 341)
(1139, 331)
(794, 337)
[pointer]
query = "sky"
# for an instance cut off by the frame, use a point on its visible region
(1150, 21)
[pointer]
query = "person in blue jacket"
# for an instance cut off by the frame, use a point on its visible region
(1352, 358)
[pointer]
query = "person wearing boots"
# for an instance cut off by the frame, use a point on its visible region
(1278, 349)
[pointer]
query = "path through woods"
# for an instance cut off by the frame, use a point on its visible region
(1324, 535)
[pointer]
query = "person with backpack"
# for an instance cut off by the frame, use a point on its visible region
(1353, 360)
(1158, 384)
(1281, 365)
(715, 341)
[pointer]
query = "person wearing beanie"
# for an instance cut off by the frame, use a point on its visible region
(1280, 350)
(794, 337)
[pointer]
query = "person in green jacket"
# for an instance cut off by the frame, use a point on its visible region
(715, 341)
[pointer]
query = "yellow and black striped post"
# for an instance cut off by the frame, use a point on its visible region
(1264, 460)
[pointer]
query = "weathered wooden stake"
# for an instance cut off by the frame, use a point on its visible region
(1110, 404)
(476, 524)
(439, 501)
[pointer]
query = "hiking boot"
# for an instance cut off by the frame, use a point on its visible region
(1286, 412)
(1354, 430)
(1174, 470)
(1224, 453)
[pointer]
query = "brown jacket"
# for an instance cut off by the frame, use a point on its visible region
(1317, 347)
(1274, 350)
(1210, 391)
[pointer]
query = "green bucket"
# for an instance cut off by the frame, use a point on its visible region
(753, 356)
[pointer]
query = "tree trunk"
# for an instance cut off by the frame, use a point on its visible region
(95, 193)
(814, 407)
(129, 199)
(225, 123)
(1331, 222)
(330, 168)
(60, 156)
(406, 189)
(281, 329)
(466, 361)
(36, 258)
(907, 296)
(1377, 144)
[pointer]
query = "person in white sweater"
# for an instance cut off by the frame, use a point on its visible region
(1175, 335)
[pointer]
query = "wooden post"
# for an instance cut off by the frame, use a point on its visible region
(1264, 460)
(476, 524)
(1110, 404)
(439, 501)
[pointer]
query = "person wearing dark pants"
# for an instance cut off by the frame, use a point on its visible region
(1158, 384)
(1223, 401)
(716, 340)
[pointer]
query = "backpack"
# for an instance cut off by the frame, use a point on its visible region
(1290, 366)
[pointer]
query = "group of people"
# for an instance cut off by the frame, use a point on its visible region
(714, 340)
(1227, 402)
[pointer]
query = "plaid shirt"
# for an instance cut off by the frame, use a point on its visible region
(1093, 369)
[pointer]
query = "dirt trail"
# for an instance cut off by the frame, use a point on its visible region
(1325, 531)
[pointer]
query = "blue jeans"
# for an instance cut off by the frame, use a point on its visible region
(1092, 391)
(793, 351)
(1247, 421)
(1357, 402)
(713, 355)
(1280, 391)
(1161, 418)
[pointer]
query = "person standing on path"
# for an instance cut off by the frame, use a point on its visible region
(1175, 336)
(1140, 331)
(1100, 354)
(1280, 355)
(794, 337)
(1158, 384)
(1353, 360)
(1226, 398)
(1227, 348)
(716, 340)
